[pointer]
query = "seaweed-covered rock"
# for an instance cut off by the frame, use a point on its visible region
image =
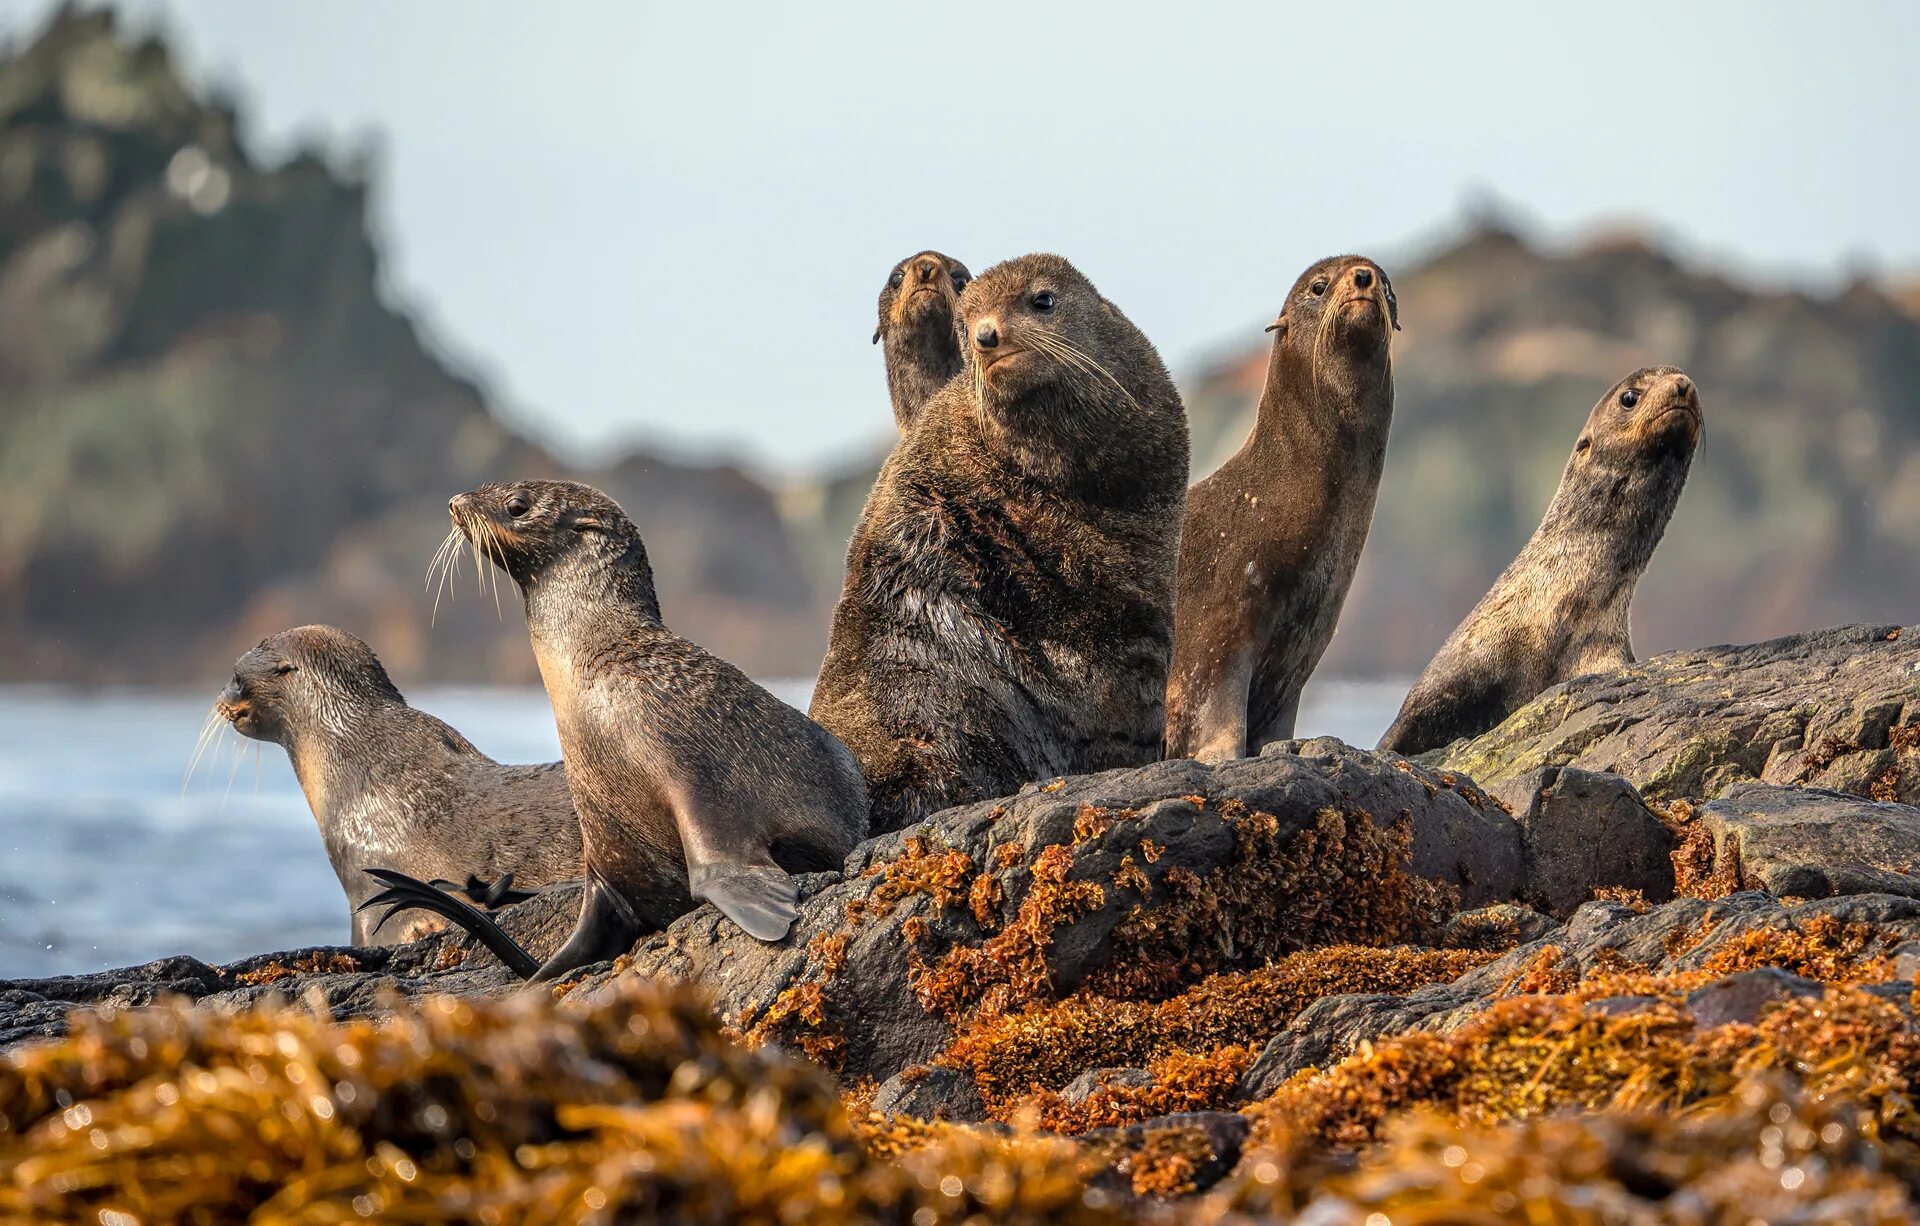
(1584, 830)
(1811, 843)
(1835, 709)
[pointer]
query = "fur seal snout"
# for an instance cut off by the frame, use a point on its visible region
(1561, 609)
(690, 781)
(1272, 538)
(390, 785)
(917, 308)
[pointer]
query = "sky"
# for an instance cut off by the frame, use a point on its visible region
(666, 225)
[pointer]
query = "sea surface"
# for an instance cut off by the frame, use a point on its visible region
(110, 856)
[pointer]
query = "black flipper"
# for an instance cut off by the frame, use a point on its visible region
(607, 928)
(491, 896)
(404, 893)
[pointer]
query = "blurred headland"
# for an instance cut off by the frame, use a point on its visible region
(213, 425)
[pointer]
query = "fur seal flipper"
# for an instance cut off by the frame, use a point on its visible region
(1561, 609)
(408, 893)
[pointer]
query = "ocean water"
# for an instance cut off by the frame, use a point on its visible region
(107, 859)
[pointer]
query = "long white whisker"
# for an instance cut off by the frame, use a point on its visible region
(208, 728)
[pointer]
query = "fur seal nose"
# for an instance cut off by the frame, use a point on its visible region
(232, 694)
(1363, 277)
(1682, 387)
(927, 270)
(986, 336)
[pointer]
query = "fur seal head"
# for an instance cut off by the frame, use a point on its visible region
(1654, 410)
(557, 535)
(1338, 321)
(308, 679)
(917, 306)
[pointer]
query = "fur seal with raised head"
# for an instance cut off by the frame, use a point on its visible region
(1272, 538)
(1561, 609)
(691, 782)
(391, 786)
(1008, 603)
(917, 323)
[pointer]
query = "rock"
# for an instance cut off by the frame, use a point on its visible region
(1169, 1154)
(1500, 926)
(1130, 881)
(1094, 1080)
(1745, 995)
(1836, 709)
(1583, 830)
(1285, 1054)
(931, 1093)
(1810, 843)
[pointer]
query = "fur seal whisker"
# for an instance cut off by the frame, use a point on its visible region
(209, 729)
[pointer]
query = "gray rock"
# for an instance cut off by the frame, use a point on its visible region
(1087, 1084)
(1583, 830)
(931, 1093)
(1745, 995)
(1811, 843)
(1835, 708)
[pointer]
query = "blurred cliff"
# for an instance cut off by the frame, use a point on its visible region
(213, 424)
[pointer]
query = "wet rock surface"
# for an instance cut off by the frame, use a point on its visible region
(1812, 843)
(1583, 831)
(1836, 709)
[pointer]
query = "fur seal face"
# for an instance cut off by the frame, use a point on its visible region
(1339, 315)
(917, 306)
(540, 532)
(1561, 609)
(1037, 331)
(300, 680)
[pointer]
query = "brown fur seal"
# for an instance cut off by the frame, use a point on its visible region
(1007, 610)
(390, 785)
(916, 321)
(1271, 539)
(1561, 609)
(691, 782)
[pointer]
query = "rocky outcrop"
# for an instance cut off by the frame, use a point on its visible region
(1836, 709)
(1583, 831)
(1810, 843)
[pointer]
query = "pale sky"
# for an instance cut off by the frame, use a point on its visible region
(667, 224)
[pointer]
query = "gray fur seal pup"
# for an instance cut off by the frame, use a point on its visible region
(690, 781)
(1561, 609)
(1008, 604)
(917, 306)
(1272, 538)
(390, 785)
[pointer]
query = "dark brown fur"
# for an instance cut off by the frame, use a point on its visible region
(392, 786)
(1561, 609)
(923, 348)
(1007, 612)
(690, 781)
(1272, 538)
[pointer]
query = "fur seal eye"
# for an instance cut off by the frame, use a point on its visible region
(1043, 301)
(1319, 287)
(518, 505)
(283, 669)
(1629, 398)
(897, 279)
(960, 280)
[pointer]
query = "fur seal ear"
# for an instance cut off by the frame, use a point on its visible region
(1585, 442)
(876, 336)
(1393, 304)
(1279, 325)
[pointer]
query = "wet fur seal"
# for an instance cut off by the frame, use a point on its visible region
(390, 785)
(1561, 609)
(690, 781)
(1272, 538)
(1007, 609)
(917, 323)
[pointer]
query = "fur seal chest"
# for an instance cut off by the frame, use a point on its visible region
(1007, 609)
(1272, 538)
(1560, 610)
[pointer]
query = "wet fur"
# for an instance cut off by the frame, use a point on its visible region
(391, 786)
(1272, 538)
(1007, 609)
(1560, 610)
(922, 340)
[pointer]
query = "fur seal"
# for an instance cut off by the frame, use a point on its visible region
(1007, 609)
(690, 781)
(1272, 537)
(1560, 609)
(917, 323)
(391, 785)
